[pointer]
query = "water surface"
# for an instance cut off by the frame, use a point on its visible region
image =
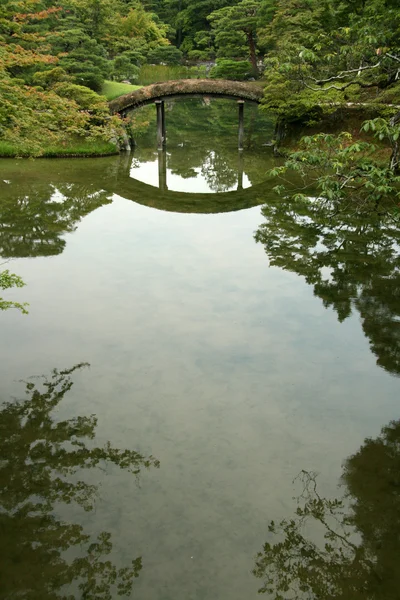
(225, 365)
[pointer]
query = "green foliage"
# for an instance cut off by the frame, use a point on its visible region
(169, 55)
(9, 280)
(83, 96)
(43, 49)
(87, 66)
(238, 70)
(328, 55)
(340, 170)
(388, 130)
(32, 120)
(318, 56)
(140, 24)
(28, 116)
(123, 68)
(235, 28)
(49, 77)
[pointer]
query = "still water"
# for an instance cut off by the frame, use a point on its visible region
(193, 344)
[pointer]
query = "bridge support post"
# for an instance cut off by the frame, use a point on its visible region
(162, 170)
(160, 123)
(164, 133)
(240, 170)
(241, 124)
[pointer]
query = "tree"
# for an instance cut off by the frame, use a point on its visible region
(42, 46)
(342, 170)
(32, 118)
(44, 459)
(123, 68)
(235, 27)
(137, 30)
(169, 55)
(323, 55)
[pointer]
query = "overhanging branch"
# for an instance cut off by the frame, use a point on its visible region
(344, 74)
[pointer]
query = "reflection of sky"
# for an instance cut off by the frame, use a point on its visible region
(147, 172)
(229, 371)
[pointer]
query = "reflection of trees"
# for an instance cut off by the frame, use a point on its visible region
(41, 463)
(219, 172)
(358, 559)
(34, 217)
(203, 136)
(351, 259)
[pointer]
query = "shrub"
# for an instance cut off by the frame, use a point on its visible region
(50, 77)
(123, 68)
(87, 75)
(85, 98)
(169, 55)
(238, 70)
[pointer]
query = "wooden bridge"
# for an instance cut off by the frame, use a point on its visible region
(157, 93)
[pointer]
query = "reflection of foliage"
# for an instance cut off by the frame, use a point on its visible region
(297, 566)
(9, 280)
(372, 478)
(351, 258)
(220, 174)
(33, 217)
(211, 147)
(358, 559)
(41, 462)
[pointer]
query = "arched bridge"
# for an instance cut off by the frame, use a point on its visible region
(221, 88)
(159, 92)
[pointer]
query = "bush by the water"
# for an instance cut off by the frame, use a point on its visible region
(168, 55)
(238, 70)
(124, 68)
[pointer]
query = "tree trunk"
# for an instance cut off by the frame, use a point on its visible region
(253, 54)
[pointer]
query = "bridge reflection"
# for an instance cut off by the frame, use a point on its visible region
(162, 128)
(162, 172)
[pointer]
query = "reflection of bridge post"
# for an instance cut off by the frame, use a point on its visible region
(160, 123)
(241, 123)
(240, 170)
(162, 169)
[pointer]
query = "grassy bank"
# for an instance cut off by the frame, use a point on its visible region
(114, 89)
(75, 148)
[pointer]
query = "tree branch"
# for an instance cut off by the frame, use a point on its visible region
(392, 56)
(344, 74)
(341, 88)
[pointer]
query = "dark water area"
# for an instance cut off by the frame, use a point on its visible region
(200, 358)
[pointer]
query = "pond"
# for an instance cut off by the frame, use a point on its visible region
(200, 358)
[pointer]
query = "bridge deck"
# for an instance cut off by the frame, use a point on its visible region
(237, 90)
